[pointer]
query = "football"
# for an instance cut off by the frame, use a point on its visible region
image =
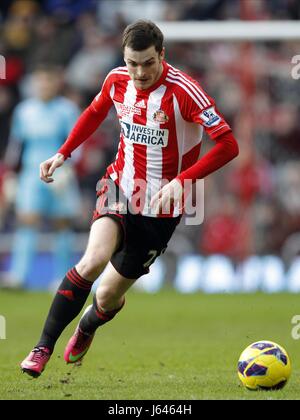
(264, 365)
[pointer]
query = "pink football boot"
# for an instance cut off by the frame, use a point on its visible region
(78, 344)
(35, 362)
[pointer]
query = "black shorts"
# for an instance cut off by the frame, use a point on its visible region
(144, 238)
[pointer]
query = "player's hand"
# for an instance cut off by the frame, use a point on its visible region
(48, 167)
(170, 194)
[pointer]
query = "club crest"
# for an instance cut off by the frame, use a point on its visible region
(160, 117)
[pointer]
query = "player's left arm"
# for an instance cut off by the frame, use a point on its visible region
(225, 149)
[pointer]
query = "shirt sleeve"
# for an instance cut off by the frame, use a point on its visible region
(225, 149)
(200, 108)
(103, 101)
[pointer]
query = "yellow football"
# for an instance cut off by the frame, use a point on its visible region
(264, 365)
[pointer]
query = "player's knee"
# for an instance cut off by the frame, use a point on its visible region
(104, 294)
(109, 298)
(92, 264)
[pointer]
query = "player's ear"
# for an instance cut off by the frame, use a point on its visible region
(162, 54)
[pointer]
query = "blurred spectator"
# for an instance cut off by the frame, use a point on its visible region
(14, 67)
(250, 178)
(288, 193)
(224, 230)
(40, 125)
(286, 133)
(3, 206)
(110, 11)
(88, 68)
(268, 226)
(18, 26)
(69, 10)
(6, 105)
(209, 9)
(52, 42)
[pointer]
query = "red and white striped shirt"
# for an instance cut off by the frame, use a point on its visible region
(161, 130)
(161, 127)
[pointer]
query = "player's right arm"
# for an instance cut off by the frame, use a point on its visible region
(84, 127)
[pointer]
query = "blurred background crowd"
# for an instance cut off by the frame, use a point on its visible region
(252, 206)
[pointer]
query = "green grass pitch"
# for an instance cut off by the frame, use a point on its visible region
(161, 346)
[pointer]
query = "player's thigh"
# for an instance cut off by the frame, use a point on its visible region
(105, 237)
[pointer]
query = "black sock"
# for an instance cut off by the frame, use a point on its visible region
(96, 317)
(67, 304)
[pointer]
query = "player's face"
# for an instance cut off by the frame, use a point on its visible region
(46, 85)
(144, 67)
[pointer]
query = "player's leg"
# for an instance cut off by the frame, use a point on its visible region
(108, 301)
(76, 286)
(145, 240)
(104, 239)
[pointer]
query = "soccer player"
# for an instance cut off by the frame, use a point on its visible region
(162, 113)
(40, 126)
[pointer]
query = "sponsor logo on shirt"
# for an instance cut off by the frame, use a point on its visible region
(141, 134)
(210, 117)
(160, 117)
(125, 110)
(140, 104)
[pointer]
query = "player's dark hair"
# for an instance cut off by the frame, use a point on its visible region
(141, 35)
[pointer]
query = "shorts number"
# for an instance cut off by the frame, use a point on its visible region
(152, 254)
